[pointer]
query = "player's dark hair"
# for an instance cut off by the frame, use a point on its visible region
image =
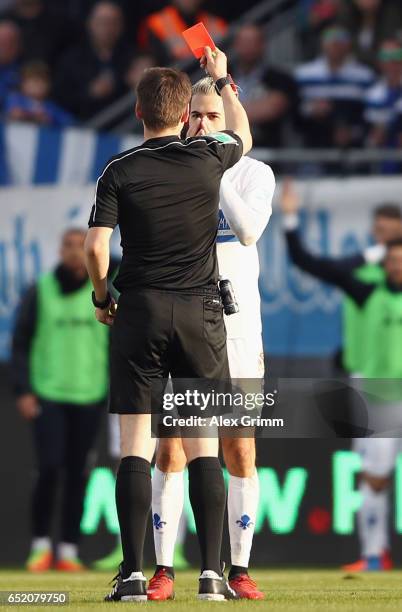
(395, 243)
(388, 210)
(162, 97)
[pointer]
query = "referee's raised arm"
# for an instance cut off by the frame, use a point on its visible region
(236, 117)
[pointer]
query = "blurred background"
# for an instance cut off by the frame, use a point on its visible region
(321, 81)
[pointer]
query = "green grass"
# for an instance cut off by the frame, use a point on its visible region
(293, 590)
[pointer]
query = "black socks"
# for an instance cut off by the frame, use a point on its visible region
(133, 501)
(208, 500)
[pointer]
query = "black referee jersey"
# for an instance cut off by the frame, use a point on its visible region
(164, 195)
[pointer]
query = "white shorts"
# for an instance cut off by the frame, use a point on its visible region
(246, 357)
(378, 454)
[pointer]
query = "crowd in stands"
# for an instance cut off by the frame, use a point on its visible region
(63, 61)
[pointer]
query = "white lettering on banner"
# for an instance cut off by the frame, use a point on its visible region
(336, 218)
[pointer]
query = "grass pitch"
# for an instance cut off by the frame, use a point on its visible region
(290, 590)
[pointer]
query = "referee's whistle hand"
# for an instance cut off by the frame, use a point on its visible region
(215, 63)
(106, 316)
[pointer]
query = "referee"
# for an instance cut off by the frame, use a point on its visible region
(164, 195)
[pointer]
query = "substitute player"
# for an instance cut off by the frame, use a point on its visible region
(60, 375)
(245, 208)
(378, 454)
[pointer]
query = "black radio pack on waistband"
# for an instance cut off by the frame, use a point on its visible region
(228, 297)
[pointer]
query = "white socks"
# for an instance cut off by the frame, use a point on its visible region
(41, 544)
(242, 511)
(167, 508)
(65, 550)
(372, 520)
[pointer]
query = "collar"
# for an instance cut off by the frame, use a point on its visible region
(162, 140)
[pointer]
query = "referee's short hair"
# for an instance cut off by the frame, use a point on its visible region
(162, 97)
(205, 87)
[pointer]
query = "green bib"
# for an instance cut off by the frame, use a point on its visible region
(353, 321)
(383, 346)
(383, 343)
(69, 353)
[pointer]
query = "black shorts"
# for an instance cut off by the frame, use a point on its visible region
(157, 333)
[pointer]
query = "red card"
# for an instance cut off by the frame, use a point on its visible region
(197, 37)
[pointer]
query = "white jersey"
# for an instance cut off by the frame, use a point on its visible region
(245, 208)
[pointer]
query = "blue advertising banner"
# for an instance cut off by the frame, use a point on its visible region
(301, 317)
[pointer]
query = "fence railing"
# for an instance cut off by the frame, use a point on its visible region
(321, 161)
(301, 155)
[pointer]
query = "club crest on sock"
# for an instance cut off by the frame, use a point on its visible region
(372, 520)
(244, 522)
(158, 524)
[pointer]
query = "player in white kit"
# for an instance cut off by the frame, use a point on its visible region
(246, 195)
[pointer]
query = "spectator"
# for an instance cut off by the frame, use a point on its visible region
(32, 102)
(10, 53)
(44, 35)
(91, 75)
(138, 65)
(370, 23)
(332, 90)
(268, 94)
(160, 33)
(384, 103)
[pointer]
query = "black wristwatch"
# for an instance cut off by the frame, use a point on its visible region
(222, 82)
(102, 305)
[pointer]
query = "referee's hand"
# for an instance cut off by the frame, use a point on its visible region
(215, 63)
(107, 315)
